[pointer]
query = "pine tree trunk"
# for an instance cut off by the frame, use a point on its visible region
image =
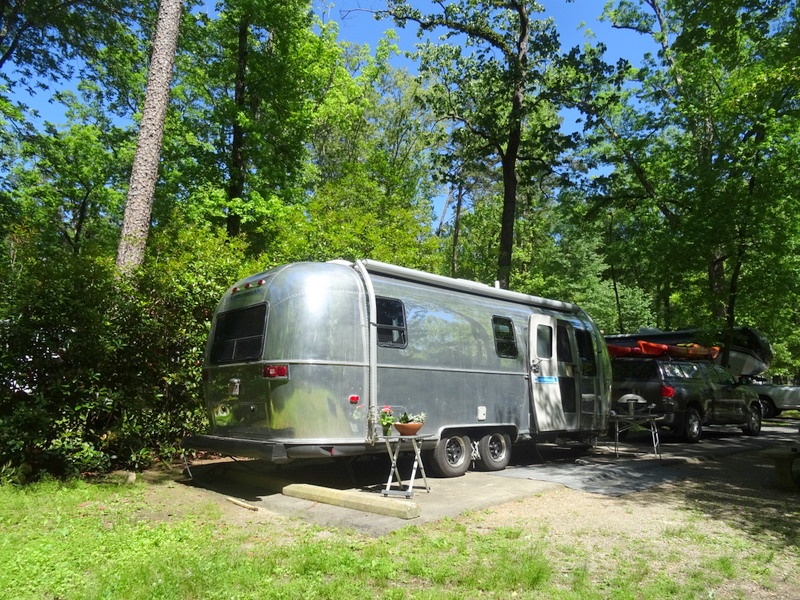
(238, 164)
(139, 205)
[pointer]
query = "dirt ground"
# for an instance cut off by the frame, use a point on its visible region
(736, 500)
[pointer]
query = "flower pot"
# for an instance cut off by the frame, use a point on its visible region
(387, 429)
(407, 428)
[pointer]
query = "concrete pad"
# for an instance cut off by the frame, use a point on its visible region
(349, 495)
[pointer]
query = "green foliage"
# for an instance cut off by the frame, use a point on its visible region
(703, 146)
(42, 41)
(99, 372)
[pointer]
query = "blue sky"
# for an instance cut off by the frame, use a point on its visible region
(572, 20)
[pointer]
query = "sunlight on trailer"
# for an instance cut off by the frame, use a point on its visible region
(301, 360)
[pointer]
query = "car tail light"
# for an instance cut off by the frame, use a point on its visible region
(667, 391)
(276, 372)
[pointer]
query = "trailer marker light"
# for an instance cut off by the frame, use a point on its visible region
(234, 290)
(276, 372)
(354, 399)
(247, 286)
(261, 282)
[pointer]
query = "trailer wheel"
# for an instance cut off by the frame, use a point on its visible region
(452, 456)
(495, 451)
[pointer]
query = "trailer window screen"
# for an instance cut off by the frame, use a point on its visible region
(391, 320)
(504, 342)
(239, 335)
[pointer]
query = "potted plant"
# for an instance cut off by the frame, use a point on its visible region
(386, 418)
(409, 424)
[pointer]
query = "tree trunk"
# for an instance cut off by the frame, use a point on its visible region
(508, 218)
(518, 67)
(237, 166)
(139, 205)
(456, 230)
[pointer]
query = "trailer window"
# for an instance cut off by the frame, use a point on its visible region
(544, 341)
(239, 335)
(586, 352)
(391, 320)
(504, 342)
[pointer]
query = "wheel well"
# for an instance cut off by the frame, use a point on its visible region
(476, 432)
(697, 407)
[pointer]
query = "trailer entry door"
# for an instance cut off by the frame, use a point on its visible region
(554, 374)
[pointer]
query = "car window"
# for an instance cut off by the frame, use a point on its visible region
(635, 370)
(692, 370)
(723, 375)
(672, 371)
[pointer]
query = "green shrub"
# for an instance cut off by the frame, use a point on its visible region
(98, 372)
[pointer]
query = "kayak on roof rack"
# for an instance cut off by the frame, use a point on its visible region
(644, 348)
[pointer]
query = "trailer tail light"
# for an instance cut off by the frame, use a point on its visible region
(276, 372)
(667, 391)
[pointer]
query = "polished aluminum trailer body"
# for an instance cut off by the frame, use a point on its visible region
(302, 358)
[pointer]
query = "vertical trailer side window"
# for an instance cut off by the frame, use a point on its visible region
(239, 334)
(504, 342)
(391, 320)
(586, 352)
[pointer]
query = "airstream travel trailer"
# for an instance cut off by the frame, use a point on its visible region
(302, 358)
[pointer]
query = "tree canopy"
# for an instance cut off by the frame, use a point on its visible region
(673, 206)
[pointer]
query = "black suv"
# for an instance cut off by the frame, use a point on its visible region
(689, 393)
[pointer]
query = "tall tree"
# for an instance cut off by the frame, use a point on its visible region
(144, 174)
(372, 154)
(251, 79)
(701, 147)
(501, 93)
(44, 40)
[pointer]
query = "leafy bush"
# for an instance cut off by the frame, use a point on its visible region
(97, 372)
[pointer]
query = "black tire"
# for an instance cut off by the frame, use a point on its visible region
(495, 451)
(768, 409)
(753, 426)
(692, 426)
(452, 456)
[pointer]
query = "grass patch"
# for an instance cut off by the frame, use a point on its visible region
(79, 540)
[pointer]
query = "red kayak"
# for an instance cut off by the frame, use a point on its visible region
(624, 350)
(678, 351)
(643, 348)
